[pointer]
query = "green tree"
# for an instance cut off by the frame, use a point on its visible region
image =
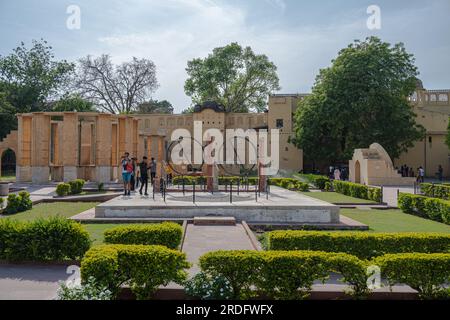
(73, 102)
(29, 77)
(233, 76)
(362, 98)
(155, 106)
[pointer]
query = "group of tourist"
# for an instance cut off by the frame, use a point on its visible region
(134, 173)
(406, 171)
(338, 173)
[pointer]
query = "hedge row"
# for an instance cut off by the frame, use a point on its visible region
(357, 190)
(18, 202)
(167, 234)
(361, 244)
(440, 191)
(282, 274)
(143, 268)
(53, 239)
(71, 187)
(430, 208)
(289, 183)
(318, 181)
(291, 274)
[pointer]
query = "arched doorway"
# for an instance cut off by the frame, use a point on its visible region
(357, 172)
(8, 165)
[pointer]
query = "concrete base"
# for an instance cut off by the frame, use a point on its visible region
(103, 174)
(70, 173)
(4, 189)
(40, 174)
(282, 206)
(23, 174)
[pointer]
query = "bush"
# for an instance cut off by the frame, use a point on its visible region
(426, 273)
(431, 208)
(357, 190)
(328, 186)
(76, 186)
(440, 191)
(282, 274)
(63, 189)
(18, 203)
(87, 291)
(144, 268)
(289, 183)
(361, 244)
(318, 181)
(206, 287)
(53, 239)
(2, 203)
(167, 234)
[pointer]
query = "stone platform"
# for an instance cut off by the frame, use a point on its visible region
(282, 206)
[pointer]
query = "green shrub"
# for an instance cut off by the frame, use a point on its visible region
(53, 239)
(375, 194)
(76, 186)
(318, 181)
(144, 268)
(18, 203)
(426, 273)
(282, 274)
(206, 287)
(357, 190)
(87, 291)
(440, 191)
(63, 189)
(431, 208)
(2, 203)
(100, 186)
(289, 183)
(328, 186)
(167, 234)
(361, 244)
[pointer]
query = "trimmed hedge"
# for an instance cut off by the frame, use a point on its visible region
(425, 273)
(76, 186)
(357, 190)
(361, 244)
(431, 208)
(53, 239)
(317, 180)
(289, 183)
(282, 274)
(144, 268)
(167, 234)
(440, 191)
(63, 189)
(18, 202)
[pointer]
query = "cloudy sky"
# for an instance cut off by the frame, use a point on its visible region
(299, 36)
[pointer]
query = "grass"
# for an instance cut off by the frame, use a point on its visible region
(8, 178)
(96, 230)
(394, 221)
(46, 210)
(334, 197)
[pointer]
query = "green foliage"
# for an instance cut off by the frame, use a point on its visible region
(207, 287)
(328, 186)
(167, 234)
(357, 190)
(361, 244)
(233, 76)
(100, 186)
(73, 102)
(426, 273)
(441, 191)
(282, 274)
(76, 186)
(155, 106)
(361, 98)
(53, 239)
(317, 180)
(144, 268)
(63, 189)
(289, 183)
(90, 290)
(18, 203)
(2, 203)
(431, 208)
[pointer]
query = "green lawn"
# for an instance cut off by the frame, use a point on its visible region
(334, 197)
(394, 221)
(96, 230)
(45, 210)
(8, 178)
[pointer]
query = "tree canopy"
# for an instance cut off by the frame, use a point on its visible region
(233, 76)
(73, 102)
(155, 106)
(360, 99)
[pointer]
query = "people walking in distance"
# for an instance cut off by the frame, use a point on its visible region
(126, 172)
(440, 173)
(421, 174)
(143, 169)
(152, 170)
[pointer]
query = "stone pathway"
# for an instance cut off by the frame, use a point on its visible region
(202, 239)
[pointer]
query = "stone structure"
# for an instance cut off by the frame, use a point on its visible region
(373, 166)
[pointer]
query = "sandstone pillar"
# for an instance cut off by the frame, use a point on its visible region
(40, 137)
(23, 164)
(70, 147)
(103, 148)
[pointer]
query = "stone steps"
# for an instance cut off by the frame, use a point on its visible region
(214, 221)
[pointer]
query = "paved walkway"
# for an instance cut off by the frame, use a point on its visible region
(30, 282)
(390, 194)
(202, 239)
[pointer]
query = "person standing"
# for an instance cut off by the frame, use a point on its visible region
(152, 170)
(421, 174)
(440, 173)
(143, 169)
(126, 173)
(337, 174)
(133, 175)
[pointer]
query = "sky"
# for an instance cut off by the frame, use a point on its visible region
(300, 37)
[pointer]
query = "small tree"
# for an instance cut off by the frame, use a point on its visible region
(155, 106)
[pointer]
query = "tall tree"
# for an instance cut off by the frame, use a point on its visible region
(72, 102)
(362, 98)
(233, 76)
(155, 106)
(116, 89)
(28, 78)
